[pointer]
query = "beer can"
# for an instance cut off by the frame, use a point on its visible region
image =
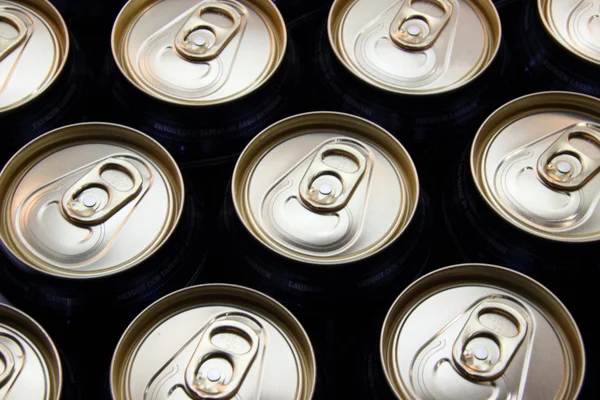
(325, 205)
(96, 216)
(214, 342)
(30, 366)
(42, 73)
(557, 45)
(478, 331)
(201, 77)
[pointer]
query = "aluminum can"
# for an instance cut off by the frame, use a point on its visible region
(201, 77)
(214, 342)
(42, 73)
(97, 215)
(325, 205)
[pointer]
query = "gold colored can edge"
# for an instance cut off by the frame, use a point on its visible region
(182, 299)
(117, 37)
(542, 6)
(62, 137)
(509, 112)
(47, 10)
(49, 351)
(278, 133)
(333, 22)
(477, 273)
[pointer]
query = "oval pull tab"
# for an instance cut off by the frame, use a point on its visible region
(584, 25)
(565, 167)
(416, 30)
(201, 40)
(12, 355)
(84, 209)
(7, 46)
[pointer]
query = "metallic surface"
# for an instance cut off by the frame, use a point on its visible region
(30, 367)
(198, 52)
(214, 342)
(575, 24)
(415, 47)
(325, 188)
(535, 162)
(89, 200)
(34, 44)
(479, 332)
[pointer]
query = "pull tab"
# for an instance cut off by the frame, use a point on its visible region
(482, 352)
(565, 167)
(12, 356)
(217, 370)
(200, 40)
(89, 210)
(325, 188)
(8, 45)
(9, 365)
(415, 30)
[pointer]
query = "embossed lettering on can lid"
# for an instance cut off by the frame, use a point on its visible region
(415, 47)
(536, 162)
(199, 52)
(214, 342)
(34, 44)
(575, 24)
(477, 331)
(30, 367)
(325, 188)
(89, 200)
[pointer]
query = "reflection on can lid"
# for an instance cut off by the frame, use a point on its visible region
(214, 342)
(34, 44)
(30, 367)
(89, 200)
(536, 162)
(575, 24)
(415, 47)
(199, 52)
(480, 332)
(325, 188)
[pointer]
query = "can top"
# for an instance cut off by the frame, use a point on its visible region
(89, 200)
(415, 47)
(34, 44)
(199, 52)
(214, 342)
(536, 160)
(479, 332)
(575, 24)
(325, 188)
(30, 367)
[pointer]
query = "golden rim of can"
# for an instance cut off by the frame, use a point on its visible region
(575, 25)
(536, 160)
(325, 188)
(199, 52)
(214, 341)
(89, 200)
(30, 366)
(33, 50)
(481, 331)
(415, 47)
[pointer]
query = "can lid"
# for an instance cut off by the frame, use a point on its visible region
(478, 331)
(89, 200)
(214, 342)
(199, 53)
(536, 160)
(30, 367)
(415, 47)
(325, 188)
(34, 44)
(575, 24)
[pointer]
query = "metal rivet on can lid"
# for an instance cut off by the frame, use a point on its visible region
(415, 47)
(89, 200)
(575, 24)
(34, 44)
(199, 52)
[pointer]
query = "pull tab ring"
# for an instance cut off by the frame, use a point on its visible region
(8, 45)
(417, 31)
(9, 364)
